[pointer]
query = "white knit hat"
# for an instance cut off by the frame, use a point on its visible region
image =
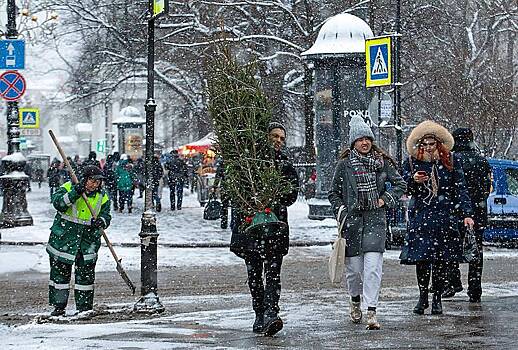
(358, 129)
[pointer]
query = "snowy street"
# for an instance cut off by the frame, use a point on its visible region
(206, 297)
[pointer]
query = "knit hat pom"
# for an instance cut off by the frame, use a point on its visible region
(358, 128)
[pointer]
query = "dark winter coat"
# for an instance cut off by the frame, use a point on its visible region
(245, 245)
(157, 172)
(433, 225)
(54, 176)
(477, 173)
(177, 170)
(364, 231)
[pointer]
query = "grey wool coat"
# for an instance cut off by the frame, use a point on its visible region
(364, 231)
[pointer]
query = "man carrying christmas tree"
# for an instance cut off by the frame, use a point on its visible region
(265, 252)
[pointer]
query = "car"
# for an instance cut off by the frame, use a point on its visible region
(503, 202)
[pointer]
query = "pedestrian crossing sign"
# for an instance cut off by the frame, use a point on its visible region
(29, 118)
(378, 55)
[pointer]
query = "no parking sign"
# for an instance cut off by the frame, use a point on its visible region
(12, 85)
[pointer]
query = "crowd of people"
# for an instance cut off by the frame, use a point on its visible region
(124, 177)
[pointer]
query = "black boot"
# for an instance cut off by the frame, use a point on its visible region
(436, 304)
(258, 323)
(422, 304)
(58, 311)
(272, 323)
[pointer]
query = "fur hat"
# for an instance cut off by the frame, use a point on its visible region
(426, 129)
(358, 128)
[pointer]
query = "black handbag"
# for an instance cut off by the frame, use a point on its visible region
(470, 251)
(212, 209)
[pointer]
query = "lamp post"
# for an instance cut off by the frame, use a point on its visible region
(14, 182)
(397, 88)
(149, 300)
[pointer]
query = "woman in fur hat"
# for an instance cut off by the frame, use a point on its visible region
(438, 192)
(359, 197)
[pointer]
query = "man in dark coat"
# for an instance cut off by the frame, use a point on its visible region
(477, 173)
(92, 160)
(266, 253)
(157, 172)
(176, 176)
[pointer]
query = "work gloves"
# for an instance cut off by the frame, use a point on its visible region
(79, 188)
(97, 223)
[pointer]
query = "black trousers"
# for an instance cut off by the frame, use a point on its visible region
(438, 272)
(474, 272)
(265, 296)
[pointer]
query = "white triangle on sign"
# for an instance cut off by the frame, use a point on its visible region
(29, 118)
(380, 66)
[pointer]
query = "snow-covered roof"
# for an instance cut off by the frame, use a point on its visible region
(129, 115)
(14, 157)
(341, 34)
(207, 140)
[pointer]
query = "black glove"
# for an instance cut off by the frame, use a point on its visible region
(97, 223)
(79, 188)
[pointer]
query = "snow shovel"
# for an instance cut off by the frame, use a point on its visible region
(73, 176)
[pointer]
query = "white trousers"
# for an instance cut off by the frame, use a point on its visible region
(363, 276)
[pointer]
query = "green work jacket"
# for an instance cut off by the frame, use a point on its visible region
(71, 231)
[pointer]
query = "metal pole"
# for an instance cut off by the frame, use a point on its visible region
(14, 183)
(397, 87)
(149, 300)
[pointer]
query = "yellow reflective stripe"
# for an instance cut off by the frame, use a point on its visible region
(84, 286)
(76, 220)
(56, 252)
(58, 286)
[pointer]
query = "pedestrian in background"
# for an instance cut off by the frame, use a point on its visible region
(92, 160)
(266, 254)
(75, 239)
(54, 176)
(125, 182)
(359, 198)
(110, 180)
(477, 173)
(157, 173)
(438, 193)
(176, 175)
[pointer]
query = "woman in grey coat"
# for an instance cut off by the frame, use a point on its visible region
(359, 197)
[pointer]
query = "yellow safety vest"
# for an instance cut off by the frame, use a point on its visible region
(78, 212)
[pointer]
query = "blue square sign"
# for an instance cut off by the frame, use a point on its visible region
(12, 54)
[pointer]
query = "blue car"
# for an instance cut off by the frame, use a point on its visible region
(503, 202)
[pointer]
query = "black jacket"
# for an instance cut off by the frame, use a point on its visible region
(244, 245)
(477, 173)
(177, 170)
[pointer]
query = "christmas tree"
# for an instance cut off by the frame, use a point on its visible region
(241, 112)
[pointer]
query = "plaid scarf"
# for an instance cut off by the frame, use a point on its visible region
(364, 170)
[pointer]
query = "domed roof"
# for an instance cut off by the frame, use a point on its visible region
(341, 34)
(129, 115)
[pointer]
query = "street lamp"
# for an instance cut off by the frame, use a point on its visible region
(149, 300)
(14, 182)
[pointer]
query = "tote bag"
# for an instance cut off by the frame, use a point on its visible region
(336, 264)
(470, 251)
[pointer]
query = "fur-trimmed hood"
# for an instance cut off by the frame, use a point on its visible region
(428, 128)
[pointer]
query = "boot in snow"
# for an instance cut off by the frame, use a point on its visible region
(372, 322)
(422, 304)
(436, 304)
(258, 323)
(58, 311)
(355, 311)
(272, 323)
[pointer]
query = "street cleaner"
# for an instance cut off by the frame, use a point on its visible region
(75, 239)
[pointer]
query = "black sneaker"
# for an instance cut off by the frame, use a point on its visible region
(58, 311)
(272, 324)
(450, 292)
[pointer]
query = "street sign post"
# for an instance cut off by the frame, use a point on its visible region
(12, 85)
(30, 132)
(100, 146)
(160, 7)
(29, 118)
(12, 54)
(378, 55)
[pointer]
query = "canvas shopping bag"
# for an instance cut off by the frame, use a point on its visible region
(336, 264)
